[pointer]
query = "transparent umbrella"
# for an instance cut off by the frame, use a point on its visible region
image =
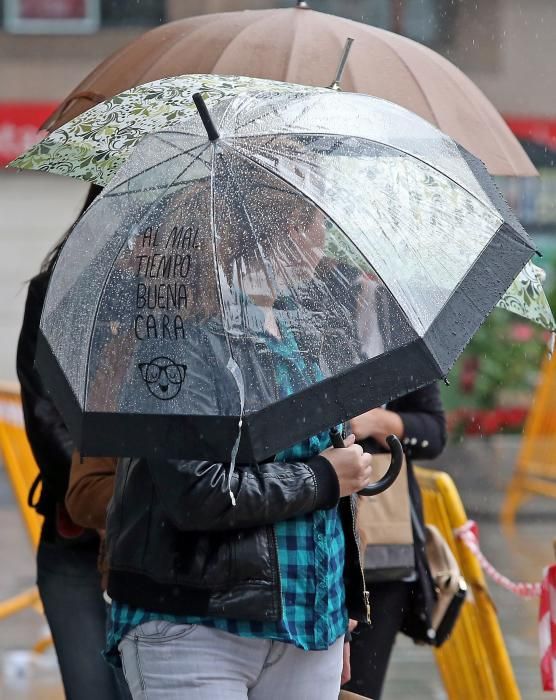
(198, 293)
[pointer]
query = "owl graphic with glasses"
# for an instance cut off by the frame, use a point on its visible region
(163, 377)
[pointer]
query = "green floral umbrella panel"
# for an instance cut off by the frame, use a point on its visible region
(526, 297)
(94, 145)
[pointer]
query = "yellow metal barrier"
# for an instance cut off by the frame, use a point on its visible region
(535, 472)
(474, 663)
(22, 470)
(17, 457)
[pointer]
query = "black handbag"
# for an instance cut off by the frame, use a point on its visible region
(439, 591)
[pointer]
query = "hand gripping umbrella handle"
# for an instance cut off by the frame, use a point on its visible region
(393, 470)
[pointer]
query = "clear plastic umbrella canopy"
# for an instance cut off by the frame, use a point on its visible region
(318, 255)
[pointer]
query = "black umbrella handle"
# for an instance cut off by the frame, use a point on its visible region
(393, 470)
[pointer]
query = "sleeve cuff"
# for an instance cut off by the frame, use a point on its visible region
(423, 437)
(328, 486)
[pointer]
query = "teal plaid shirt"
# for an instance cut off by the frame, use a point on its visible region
(310, 551)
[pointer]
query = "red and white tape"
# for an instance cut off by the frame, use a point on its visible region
(547, 628)
(469, 535)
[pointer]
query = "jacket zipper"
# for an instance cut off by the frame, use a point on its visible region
(278, 577)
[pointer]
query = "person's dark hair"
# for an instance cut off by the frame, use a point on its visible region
(52, 255)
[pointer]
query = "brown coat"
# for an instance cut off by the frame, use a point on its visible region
(90, 489)
(91, 484)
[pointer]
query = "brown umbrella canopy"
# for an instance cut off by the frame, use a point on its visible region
(300, 45)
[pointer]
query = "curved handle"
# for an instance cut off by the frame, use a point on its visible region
(393, 470)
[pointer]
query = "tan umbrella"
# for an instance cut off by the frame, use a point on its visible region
(302, 46)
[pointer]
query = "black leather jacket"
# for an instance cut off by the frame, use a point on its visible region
(49, 437)
(178, 545)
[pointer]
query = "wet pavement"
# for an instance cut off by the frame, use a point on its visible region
(25, 676)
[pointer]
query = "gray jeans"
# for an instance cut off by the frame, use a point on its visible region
(165, 661)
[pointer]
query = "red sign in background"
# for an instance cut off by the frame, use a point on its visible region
(19, 126)
(52, 9)
(542, 131)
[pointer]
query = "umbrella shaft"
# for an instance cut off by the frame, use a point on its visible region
(336, 84)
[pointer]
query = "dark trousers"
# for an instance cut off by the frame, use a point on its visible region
(69, 586)
(371, 645)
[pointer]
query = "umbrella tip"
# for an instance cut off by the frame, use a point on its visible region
(212, 132)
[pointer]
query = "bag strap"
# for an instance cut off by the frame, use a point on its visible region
(416, 522)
